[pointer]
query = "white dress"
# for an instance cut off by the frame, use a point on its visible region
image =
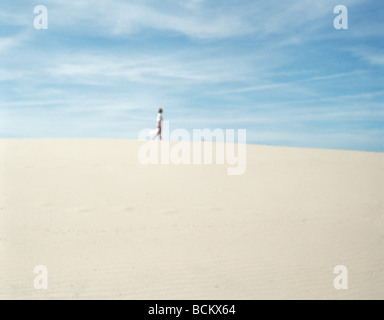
(159, 121)
(159, 124)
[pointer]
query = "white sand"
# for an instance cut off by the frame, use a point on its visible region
(107, 227)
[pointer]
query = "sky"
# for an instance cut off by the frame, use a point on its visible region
(278, 69)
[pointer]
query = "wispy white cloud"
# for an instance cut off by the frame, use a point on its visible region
(365, 95)
(8, 75)
(16, 16)
(192, 18)
(373, 58)
(11, 42)
(337, 75)
(99, 68)
(295, 85)
(263, 87)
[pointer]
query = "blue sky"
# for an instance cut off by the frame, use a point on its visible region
(276, 68)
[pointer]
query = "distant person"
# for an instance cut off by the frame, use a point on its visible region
(159, 124)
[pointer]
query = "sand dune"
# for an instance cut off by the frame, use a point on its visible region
(109, 227)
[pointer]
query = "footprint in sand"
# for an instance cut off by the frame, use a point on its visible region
(59, 166)
(211, 209)
(82, 209)
(43, 204)
(169, 212)
(123, 208)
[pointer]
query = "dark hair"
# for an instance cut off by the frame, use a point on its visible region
(160, 110)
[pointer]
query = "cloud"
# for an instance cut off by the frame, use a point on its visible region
(373, 58)
(370, 54)
(196, 19)
(194, 66)
(9, 43)
(116, 17)
(262, 87)
(8, 75)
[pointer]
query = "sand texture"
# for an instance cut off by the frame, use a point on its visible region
(108, 227)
